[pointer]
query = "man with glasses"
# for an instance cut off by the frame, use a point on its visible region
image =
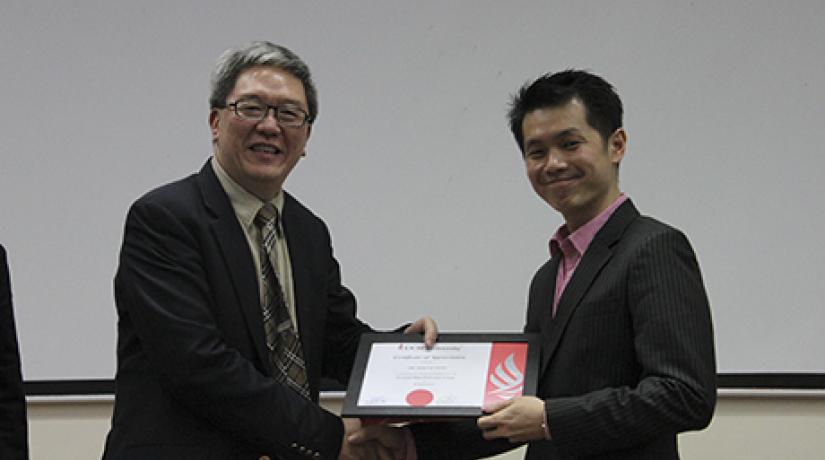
(230, 302)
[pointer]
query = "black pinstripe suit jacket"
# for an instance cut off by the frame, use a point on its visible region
(628, 361)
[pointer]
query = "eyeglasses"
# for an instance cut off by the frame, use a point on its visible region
(288, 115)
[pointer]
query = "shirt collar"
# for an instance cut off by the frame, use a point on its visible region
(245, 204)
(583, 236)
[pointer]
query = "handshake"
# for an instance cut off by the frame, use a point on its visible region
(379, 442)
(518, 420)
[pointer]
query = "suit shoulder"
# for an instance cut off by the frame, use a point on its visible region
(544, 277)
(650, 234)
(651, 226)
(179, 191)
(294, 209)
(180, 201)
(547, 266)
(4, 274)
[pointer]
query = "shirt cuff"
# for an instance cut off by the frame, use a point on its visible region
(545, 426)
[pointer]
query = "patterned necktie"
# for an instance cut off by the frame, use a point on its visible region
(285, 350)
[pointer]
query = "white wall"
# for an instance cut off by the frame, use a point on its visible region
(725, 109)
(747, 428)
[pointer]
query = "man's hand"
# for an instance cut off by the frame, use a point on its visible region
(392, 439)
(424, 325)
(367, 449)
(519, 419)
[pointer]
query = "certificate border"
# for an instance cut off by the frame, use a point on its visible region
(352, 409)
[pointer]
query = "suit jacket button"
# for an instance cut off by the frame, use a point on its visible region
(294, 445)
(302, 449)
(264, 457)
(316, 455)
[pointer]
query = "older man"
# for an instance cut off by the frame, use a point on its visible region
(230, 302)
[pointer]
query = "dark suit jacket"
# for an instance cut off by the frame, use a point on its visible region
(13, 429)
(628, 361)
(193, 378)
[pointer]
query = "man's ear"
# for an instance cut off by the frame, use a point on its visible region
(214, 119)
(616, 145)
(309, 131)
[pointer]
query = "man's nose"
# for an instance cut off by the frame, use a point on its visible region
(555, 160)
(269, 123)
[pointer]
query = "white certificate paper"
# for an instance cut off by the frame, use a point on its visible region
(451, 374)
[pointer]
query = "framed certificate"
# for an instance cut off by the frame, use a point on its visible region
(396, 377)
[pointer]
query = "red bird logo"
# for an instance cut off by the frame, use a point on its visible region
(507, 378)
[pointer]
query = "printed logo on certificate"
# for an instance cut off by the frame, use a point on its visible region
(396, 376)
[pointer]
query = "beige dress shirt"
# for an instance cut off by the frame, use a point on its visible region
(246, 206)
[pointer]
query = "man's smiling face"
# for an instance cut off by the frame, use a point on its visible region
(259, 155)
(569, 164)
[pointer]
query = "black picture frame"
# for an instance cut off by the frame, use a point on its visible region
(400, 413)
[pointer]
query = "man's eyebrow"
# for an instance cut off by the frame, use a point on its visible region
(255, 97)
(567, 132)
(555, 136)
(533, 142)
(246, 97)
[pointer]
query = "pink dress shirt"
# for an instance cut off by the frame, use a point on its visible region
(571, 247)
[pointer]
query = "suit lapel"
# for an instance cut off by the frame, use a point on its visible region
(296, 241)
(234, 247)
(598, 253)
(548, 332)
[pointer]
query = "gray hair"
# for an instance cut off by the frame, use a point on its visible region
(259, 53)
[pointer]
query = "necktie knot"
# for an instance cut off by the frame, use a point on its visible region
(268, 219)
